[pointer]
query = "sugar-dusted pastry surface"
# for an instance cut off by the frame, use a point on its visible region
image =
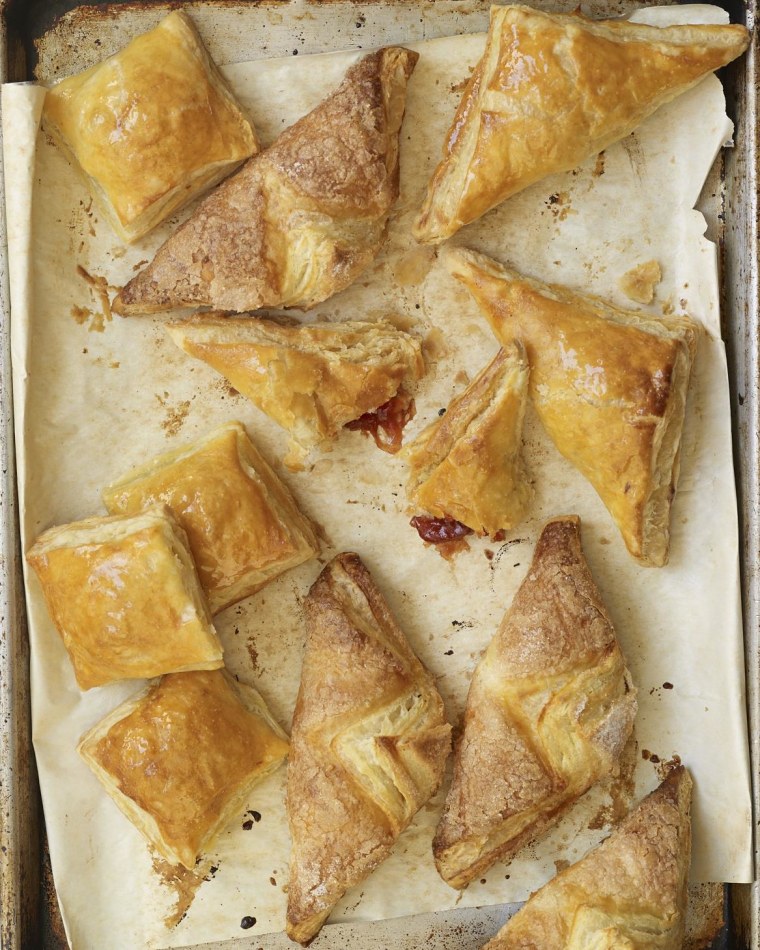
(311, 379)
(125, 597)
(181, 759)
(302, 220)
(609, 386)
(629, 893)
(468, 464)
(152, 126)
(553, 90)
(369, 742)
(549, 711)
(243, 525)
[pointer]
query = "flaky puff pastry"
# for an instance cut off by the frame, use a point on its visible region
(549, 711)
(180, 760)
(609, 386)
(124, 595)
(629, 893)
(368, 747)
(302, 220)
(243, 525)
(311, 379)
(151, 127)
(552, 90)
(468, 464)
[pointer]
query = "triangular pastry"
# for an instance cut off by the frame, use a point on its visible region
(628, 893)
(369, 743)
(310, 378)
(608, 384)
(549, 711)
(300, 221)
(552, 90)
(467, 466)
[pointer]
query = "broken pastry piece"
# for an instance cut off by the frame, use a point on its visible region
(551, 91)
(608, 384)
(243, 525)
(300, 221)
(549, 711)
(311, 379)
(467, 466)
(124, 595)
(151, 127)
(628, 893)
(369, 743)
(180, 760)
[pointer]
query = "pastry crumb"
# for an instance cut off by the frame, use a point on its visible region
(639, 282)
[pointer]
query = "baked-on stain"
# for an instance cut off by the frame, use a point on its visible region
(621, 790)
(253, 653)
(182, 882)
(411, 269)
(100, 289)
(82, 315)
(175, 415)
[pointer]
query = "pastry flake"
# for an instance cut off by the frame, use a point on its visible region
(628, 893)
(151, 127)
(467, 466)
(124, 595)
(243, 525)
(549, 711)
(368, 747)
(553, 90)
(609, 386)
(302, 220)
(181, 759)
(312, 378)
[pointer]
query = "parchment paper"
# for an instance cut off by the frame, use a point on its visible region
(95, 396)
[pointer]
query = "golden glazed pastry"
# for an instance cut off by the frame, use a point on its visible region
(608, 384)
(369, 743)
(180, 760)
(151, 127)
(243, 525)
(311, 379)
(549, 711)
(300, 221)
(629, 893)
(552, 90)
(467, 466)
(124, 595)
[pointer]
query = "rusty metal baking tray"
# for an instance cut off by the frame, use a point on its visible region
(726, 917)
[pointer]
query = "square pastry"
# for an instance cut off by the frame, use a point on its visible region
(125, 597)
(242, 523)
(151, 127)
(180, 759)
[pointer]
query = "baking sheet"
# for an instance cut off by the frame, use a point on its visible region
(102, 395)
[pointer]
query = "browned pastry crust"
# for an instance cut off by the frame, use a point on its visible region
(548, 713)
(552, 90)
(629, 893)
(369, 743)
(152, 126)
(124, 595)
(243, 525)
(468, 464)
(300, 221)
(311, 379)
(608, 384)
(180, 759)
